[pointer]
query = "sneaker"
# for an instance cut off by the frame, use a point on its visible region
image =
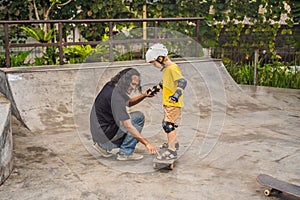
(166, 154)
(102, 151)
(133, 156)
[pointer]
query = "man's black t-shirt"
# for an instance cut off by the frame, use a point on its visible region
(110, 107)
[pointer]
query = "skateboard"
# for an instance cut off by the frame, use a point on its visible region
(163, 164)
(276, 186)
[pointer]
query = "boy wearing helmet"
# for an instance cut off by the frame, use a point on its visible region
(172, 87)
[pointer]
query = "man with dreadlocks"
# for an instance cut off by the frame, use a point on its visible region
(172, 85)
(110, 123)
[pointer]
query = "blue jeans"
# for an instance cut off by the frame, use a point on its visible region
(124, 140)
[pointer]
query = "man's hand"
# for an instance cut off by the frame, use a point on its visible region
(151, 148)
(152, 91)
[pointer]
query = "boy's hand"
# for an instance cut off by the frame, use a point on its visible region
(174, 98)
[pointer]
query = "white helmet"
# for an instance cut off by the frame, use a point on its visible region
(155, 51)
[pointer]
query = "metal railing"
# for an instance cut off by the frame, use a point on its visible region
(61, 43)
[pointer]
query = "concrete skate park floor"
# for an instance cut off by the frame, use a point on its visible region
(260, 134)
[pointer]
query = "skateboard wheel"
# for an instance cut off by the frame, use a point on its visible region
(267, 193)
(158, 166)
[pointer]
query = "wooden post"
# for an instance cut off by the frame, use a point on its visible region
(145, 23)
(7, 57)
(144, 29)
(256, 55)
(155, 30)
(198, 38)
(111, 58)
(60, 44)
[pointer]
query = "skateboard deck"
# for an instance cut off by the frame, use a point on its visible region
(163, 164)
(277, 186)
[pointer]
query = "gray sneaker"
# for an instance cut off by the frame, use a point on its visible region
(102, 151)
(133, 156)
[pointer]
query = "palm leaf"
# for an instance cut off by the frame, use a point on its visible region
(49, 36)
(39, 34)
(31, 32)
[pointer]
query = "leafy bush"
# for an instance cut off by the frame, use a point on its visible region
(49, 57)
(19, 59)
(99, 54)
(276, 74)
(279, 76)
(39, 34)
(2, 60)
(77, 53)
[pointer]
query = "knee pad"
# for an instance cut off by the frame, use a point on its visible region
(168, 126)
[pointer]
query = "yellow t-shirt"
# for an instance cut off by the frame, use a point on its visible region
(171, 74)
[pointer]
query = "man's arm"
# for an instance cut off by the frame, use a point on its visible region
(137, 99)
(135, 133)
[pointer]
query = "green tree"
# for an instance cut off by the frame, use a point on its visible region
(99, 9)
(295, 12)
(226, 17)
(43, 9)
(14, 10)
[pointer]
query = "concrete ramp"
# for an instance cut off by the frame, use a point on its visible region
(46, 98)
(42, 97)
(228, 135)
(59, 99)
(6, 141)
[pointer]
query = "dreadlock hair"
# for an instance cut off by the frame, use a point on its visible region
(123, 79)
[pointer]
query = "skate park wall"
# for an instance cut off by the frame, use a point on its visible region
(59, 98)
(6, 142)
(43, 97)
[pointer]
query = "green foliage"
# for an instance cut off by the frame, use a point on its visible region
(279, 75)
(99, 9)
(39, 34)
(49, 57)
(14, 10)
(221, 19)
(126, 56)
(215, 13)
(19, 59)
(99, 54)
(77, 53)
(295, 10)
(2, 60)
(276, 74)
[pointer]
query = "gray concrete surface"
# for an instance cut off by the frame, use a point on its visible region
(6, 140)
(228, 135)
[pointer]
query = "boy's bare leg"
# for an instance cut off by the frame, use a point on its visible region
(172, 139)
(171, 115)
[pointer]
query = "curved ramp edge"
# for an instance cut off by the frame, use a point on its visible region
(6, 142)
(45, 97)
(5, 89)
